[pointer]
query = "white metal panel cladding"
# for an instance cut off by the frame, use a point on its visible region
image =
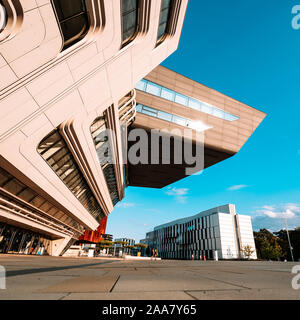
(246, 238)
(199, 236)
(227, 230)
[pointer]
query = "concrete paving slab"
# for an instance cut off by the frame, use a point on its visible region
(155, 295)
(257, 279)
(32, 296)
(254, 294)
(173, 282)
(24, 286)
(35, 278)
(83, 284)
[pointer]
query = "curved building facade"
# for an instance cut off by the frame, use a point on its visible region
(76, 79)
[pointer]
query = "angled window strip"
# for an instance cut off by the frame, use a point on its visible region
(162, 115)
(170, 95)
(55, 152)
(104, 152)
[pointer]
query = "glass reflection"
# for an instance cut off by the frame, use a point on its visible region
(196, 125)
(168, 94)
(129, 20)
(73, 20)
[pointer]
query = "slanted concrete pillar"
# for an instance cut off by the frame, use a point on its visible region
(59, 245)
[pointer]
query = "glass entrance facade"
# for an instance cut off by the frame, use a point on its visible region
(21, 241)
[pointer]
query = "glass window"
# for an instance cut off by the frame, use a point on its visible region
(146, 108)
(5, 239)
(179, 120)
(25, 247)
(129, 20)
(167, 94)
(65, 166)
(104, 151)
(139, 107)
(195, 104)
(181, 99)
(73, 20)
(15, 246)
(218, 113)
(206, 108)
(170, 95)
(230, 117)
(153, 88)
(164, 19)
(141, 85)
(165, 116)
(150, 112)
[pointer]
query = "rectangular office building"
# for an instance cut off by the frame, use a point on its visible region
(219, 230)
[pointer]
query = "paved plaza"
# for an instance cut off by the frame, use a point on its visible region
(57, 278)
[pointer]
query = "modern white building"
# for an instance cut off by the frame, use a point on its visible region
(218, 230)
(77, 78)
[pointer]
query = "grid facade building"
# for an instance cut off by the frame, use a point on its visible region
(199, 237)
(124, 247)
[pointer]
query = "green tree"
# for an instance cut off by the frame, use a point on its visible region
(268, 245)
(270, 251)
(295, 242)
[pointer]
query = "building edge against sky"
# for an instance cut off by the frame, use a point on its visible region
(62, 91)
(219, 229)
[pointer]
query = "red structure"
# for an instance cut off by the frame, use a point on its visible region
(95, 236)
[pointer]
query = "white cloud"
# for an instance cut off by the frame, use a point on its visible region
(271, 216)
(288, 211)
(125, 205)
(237, 187)
(268, 207)
(178, 193)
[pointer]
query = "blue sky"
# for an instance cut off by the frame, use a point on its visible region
(249, 51)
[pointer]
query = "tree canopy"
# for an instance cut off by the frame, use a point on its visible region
(275, 245)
